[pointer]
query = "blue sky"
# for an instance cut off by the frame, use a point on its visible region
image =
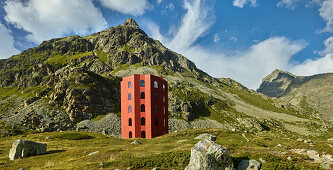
(241, 39)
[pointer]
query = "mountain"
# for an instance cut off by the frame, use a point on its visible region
(70, 83)
(312, 94)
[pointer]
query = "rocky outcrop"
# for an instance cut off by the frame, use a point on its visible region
(208, 155)
(250, 124)
(110, 125)
(84, 94)
(276, 84)
(249, 165)
(25, 148)
(313, 95)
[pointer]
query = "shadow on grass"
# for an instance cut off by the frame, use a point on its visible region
(54, 151)
(237, 160)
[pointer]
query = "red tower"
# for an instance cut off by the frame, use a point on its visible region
(144, 106)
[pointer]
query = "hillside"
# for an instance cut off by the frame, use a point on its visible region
(312, 94)
(70, 80)
(83, 150)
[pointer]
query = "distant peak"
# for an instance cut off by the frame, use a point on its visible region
(277, 71)
(131, 22)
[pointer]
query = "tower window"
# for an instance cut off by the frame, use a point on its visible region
(142, 83)
(155, 84)
(163, 98)
(130, 122)
(143, 121)
(129, 84)
(129, 96)
(156, 133)
(129, 109)
(156, 122)
(155, 96)
(143, 108)
(163, 87)
(156, 108)
(142, 95)
(143, 134)
(130, 134)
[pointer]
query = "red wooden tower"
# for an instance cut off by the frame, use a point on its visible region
(144, 106)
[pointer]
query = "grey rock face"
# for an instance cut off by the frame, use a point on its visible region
(25, 148)
(110, 124)
(206, 136)
(249, 165)
(208, 155)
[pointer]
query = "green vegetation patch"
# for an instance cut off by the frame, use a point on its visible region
(305, 105)
(178, 159)
(60, 60)
(73, 136)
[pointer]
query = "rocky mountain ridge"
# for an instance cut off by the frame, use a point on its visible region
(312, 94)
(78, 78)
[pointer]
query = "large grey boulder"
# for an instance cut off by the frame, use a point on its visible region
(25, 148)
(208, 155)
(249, 165)
(206, 136)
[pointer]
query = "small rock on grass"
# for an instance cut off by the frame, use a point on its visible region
(136, 142)
(206, 136)
(249, 165)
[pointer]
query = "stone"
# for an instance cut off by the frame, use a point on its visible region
(249, 165)
(48, 138)
(206, 136)
(308, 141)
(330, 139)
(290, 158)
(300, 140)
(208, 155)
(278, 145)
(136, 142)
(25, 148)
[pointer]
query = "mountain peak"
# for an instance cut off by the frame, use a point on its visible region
(131, 22)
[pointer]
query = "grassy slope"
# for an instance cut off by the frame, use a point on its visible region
(163, 151)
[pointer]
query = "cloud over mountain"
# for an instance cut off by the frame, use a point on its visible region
(54, 18)
(133, 7)
(7, 47)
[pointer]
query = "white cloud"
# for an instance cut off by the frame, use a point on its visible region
(168, 8)
(54, 18)
(159, 1)
(326, 12)
(234, 39)
(7, 47)
(315, 66)
(133, 7)
(241, 3)
(329, 46)
(198, 18)
(247, 66)
(319, 65)
(216, 38)
(287, 4)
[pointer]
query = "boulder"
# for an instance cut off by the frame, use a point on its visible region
(206, 136)
(136, 142)
(25, 148)
(249, 165)
(208, 155)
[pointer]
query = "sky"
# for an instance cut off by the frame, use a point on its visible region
(240, 39)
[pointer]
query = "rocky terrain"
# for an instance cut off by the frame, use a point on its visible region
(313, 95)
(65, 81)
